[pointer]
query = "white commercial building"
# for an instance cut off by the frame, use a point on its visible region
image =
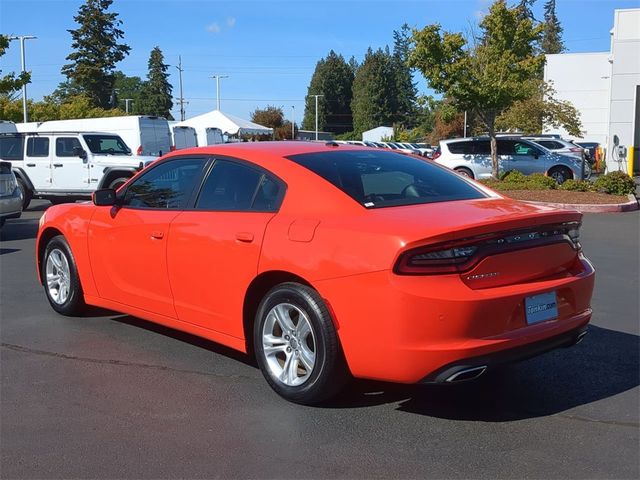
(605, 88)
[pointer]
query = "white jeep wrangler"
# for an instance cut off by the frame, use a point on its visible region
(68, 166)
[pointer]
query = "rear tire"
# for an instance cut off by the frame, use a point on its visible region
(60, 278)
(464, 171)
(296, 345)
(27, 195)
(560, 174)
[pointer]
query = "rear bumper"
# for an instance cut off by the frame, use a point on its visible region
(411, 329)
(11, 206)
(473, 367)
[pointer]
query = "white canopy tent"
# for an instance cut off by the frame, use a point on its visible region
(228, 124)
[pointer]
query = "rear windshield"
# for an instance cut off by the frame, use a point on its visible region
(106, 144)
(385, 179)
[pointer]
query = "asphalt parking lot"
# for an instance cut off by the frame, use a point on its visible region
(112, 396)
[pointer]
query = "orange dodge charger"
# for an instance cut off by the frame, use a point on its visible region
(325, 261)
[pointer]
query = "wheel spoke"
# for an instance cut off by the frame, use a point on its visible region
(55, 259)
(284, 319)
(303, 329)
(307, 357)
(272, 345)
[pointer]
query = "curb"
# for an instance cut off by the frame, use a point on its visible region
(630, 206)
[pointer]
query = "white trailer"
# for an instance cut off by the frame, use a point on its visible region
(213, 136)
(143, 134)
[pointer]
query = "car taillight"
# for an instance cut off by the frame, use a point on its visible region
(436, 154)
(576, 150)
(172, 148)
(462, 255)
(139, 151)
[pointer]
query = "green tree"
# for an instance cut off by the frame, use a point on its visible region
(49, 108)
(156, 96)
(524, 9)
(128, 87)
(96, 51)
(374, 89)
(540, 108)
(552, 33)
(404, 97)
(273, 117)
(486, 78)
(332, 78)
(10, 83)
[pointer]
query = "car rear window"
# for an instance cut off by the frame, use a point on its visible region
(384, 179)
(470, 147)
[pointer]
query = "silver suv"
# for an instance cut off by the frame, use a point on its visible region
(472, 157)
(10, 194)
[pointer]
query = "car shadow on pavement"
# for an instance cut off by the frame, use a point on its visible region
(19, 229)
(605, 364)
(183, 337)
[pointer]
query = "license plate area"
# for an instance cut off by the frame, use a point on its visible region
(541, 307)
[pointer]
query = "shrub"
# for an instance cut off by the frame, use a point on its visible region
(512, 176)
(538, 181)
(615, 183)
(576, 186)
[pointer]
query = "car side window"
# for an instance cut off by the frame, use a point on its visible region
(232, 186)
(521, 148)
(12, 147)
(66, 145)
(38, 147)
(166, 186)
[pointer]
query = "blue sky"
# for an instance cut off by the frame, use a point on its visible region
(268, 48)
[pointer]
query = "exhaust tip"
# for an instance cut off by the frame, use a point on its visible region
(581, 336)
(466, 374)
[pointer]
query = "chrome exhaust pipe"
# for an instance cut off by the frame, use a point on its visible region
(466, 374)
(581, 335)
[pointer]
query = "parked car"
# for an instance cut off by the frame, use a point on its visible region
(10, 194)
(143, 134)
(590, 148)
(66, 166)
(472, 157)
(559, 145)
(404, 272)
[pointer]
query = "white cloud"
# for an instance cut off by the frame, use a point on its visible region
(231, 22)
(213, 28)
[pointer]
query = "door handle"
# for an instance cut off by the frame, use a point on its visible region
(31, 164)
(58, 165)
(246, 237)
(157, 235)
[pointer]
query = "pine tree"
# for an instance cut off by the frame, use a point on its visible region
(156, 96)
(552, 34)
(404, 100)
(374, 92)
(332, 78)
(524, 9)
(97, 51)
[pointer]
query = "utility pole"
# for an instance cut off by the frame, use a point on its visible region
(465, 124)
(218, 77)
(317, 113)
(293, 122)
(181, 99)
(126, 104)
(22, 38)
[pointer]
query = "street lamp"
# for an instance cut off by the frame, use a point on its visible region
(293, 122)
(316, 112)
(218, 77)
(22, 38)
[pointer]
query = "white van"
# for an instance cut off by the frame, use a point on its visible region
(143, 134)
(67, 166)
(214, 136)
(183, 136)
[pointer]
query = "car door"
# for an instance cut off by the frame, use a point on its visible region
(37, 162)
(525, 157)
(214, 249)
(128, 242)
(69, 171)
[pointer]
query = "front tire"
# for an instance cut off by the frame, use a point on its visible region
(560, 174)
(464, 171)
(118, 182)
(296, 345)
(60, 277)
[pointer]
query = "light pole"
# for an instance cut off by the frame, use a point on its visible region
(22, 38)
(317, 113)
(218, 77)
(126, 104)
(293, 122)
(181, 99)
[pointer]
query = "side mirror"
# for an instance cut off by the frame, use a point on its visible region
(80, 152)
(104, 197)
